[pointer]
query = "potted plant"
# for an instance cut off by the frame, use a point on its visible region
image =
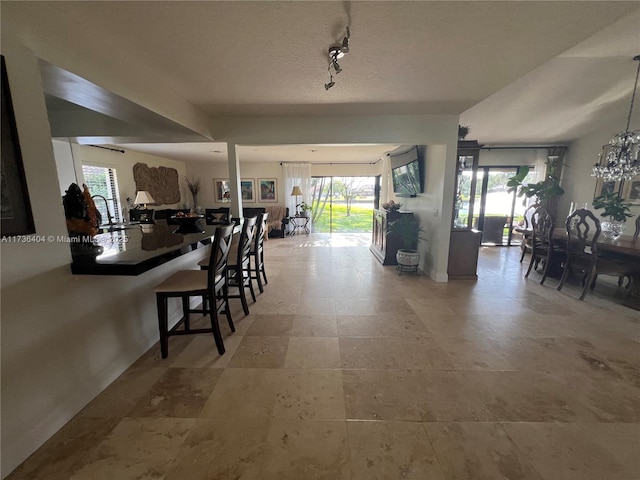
(463, 131)
(542, 190)
(406, 230)
(304, 209)
(616, 210)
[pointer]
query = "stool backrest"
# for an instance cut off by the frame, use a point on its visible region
(219, 254)
(247, 237)
(217, 216)
(261, 228)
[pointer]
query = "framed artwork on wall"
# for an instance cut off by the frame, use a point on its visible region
(248, 188)
(222, 190)
(15, 206)
(606, 186)
(267, 189)
(631, 191)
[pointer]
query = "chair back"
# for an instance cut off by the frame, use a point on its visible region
(261, 228)
(219, 254)
(247, 237)
(637, 232)
(528, 213)
(542, 225)
(217, 216)
(583, 230)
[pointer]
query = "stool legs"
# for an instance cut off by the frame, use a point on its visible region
(161, 301)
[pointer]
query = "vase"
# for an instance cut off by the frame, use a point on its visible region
(612, 228)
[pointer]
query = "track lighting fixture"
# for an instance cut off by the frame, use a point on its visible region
(336, 52)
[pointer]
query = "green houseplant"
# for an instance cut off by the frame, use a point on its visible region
(406, 231)
(616, 210)
(542, 190)
(304, 208)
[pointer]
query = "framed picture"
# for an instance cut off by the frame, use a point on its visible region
(222, 190)
(267, 188)
(248, 188)
(606, 186)
(631, 191)
(15, 207)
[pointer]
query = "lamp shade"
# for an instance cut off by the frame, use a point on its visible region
(296, 191)
(143, 197)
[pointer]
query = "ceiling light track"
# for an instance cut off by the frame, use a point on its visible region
(335, 53)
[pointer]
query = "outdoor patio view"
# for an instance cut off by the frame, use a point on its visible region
(342, 204)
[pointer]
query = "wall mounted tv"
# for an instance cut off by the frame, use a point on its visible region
(406, 172)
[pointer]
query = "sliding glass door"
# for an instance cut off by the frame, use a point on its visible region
(343, 204)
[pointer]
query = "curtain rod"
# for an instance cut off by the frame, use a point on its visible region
(336, 163)
(108, 148)
(522, 147)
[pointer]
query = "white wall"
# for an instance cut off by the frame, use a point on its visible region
(64, 337)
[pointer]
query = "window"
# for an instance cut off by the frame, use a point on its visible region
(104, 181)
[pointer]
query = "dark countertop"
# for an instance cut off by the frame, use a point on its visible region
(137, 249)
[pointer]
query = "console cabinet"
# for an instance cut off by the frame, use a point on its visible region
(383, 246)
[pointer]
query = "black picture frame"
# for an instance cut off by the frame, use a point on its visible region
(15, 207)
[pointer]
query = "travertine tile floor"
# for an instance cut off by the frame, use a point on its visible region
(344, 370)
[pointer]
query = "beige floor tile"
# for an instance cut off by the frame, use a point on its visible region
(307, 394)
(260, 352)
(271, 325)
(366, 353)
(314, 326)
(221, 450)
(309, 450)
(137, 448)
(478, 451)
(382, 325)
(179, 392)
(313, 352)
(414, 396)
(202, 352)
(244, 393)
(579, 451)
(123, 394)
(391, 450)
(67, 451)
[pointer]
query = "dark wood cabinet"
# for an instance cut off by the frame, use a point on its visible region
(464, 241)
(384, 246)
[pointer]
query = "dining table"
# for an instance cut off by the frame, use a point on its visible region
(626, 247)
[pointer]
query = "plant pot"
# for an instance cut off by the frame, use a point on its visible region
(408, 258)
(612, 228)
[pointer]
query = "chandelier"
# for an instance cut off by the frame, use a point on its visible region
(620, 158)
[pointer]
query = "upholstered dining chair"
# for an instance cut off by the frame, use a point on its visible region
(239, 268)
(257, 252)
(210, 284)
(583, 232)
(541, 241)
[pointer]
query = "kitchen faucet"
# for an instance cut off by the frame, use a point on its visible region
(106, 204)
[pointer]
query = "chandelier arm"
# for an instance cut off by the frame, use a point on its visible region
(633, 96)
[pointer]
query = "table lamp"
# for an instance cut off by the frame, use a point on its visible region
(142, 198)
(296, 192)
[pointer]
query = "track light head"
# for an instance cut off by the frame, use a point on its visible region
(327, 86)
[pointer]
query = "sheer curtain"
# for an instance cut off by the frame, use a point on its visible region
(297, 174)
(386, 186)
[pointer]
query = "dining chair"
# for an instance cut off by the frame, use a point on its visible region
(217, 216)
(525, 245)
(257, 252)
(583, 232)
(210, 284)
(541, 241)
(239, 268)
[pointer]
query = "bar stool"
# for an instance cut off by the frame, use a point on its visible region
(239, 270)
(257, 252)
(209, 284)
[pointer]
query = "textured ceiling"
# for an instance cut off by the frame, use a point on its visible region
(517, 71)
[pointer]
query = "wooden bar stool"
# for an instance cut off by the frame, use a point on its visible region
(210, 284)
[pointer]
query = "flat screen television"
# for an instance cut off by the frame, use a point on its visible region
(406, 173)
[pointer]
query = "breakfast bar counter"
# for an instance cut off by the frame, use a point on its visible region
(137, 248)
